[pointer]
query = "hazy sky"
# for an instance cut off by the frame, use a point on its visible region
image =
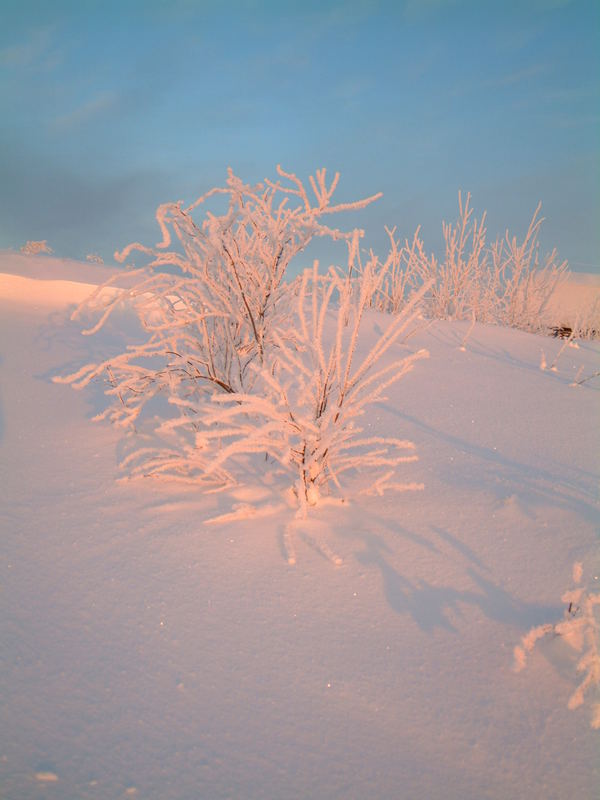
(108, 109)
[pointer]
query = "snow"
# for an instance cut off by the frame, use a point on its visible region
(364, 652)
(578, 294)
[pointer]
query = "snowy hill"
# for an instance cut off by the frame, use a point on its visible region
(149, 652)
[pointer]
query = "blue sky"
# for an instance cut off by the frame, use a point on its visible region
(109, 109)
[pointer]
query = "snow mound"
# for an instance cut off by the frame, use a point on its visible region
(364, 649)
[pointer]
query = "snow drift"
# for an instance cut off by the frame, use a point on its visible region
(148, 654)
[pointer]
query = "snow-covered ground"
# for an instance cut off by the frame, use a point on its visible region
(148, 654)
(578, 295)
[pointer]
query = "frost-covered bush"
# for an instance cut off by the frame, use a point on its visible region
(94, 258)
(504, 283)
(460, 279)
(305, 412)
(34, 248)
(580, 629)
(394, 280)
(240, 354)
(520, 285)
(211, 298)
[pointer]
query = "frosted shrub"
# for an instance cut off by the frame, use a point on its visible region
(457, 283)
(94, 258)
(580, 629)
(307, 412)
(211, 315)
(33, 248)
(395, 279)
(242, 356)
(460, 285)
(520, 285)
(505, 283)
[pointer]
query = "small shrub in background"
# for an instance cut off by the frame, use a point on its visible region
(33, 248)
(521, 286)
(505, 283)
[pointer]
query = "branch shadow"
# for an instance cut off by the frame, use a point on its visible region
(60, 331)
(432, 606)
(510, 477)
(461, 547)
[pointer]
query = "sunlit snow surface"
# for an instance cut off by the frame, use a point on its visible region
(148, 654)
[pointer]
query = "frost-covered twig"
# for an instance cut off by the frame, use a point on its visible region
(567, 341)
(463, 344)
(580, 629)
(579, 381)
